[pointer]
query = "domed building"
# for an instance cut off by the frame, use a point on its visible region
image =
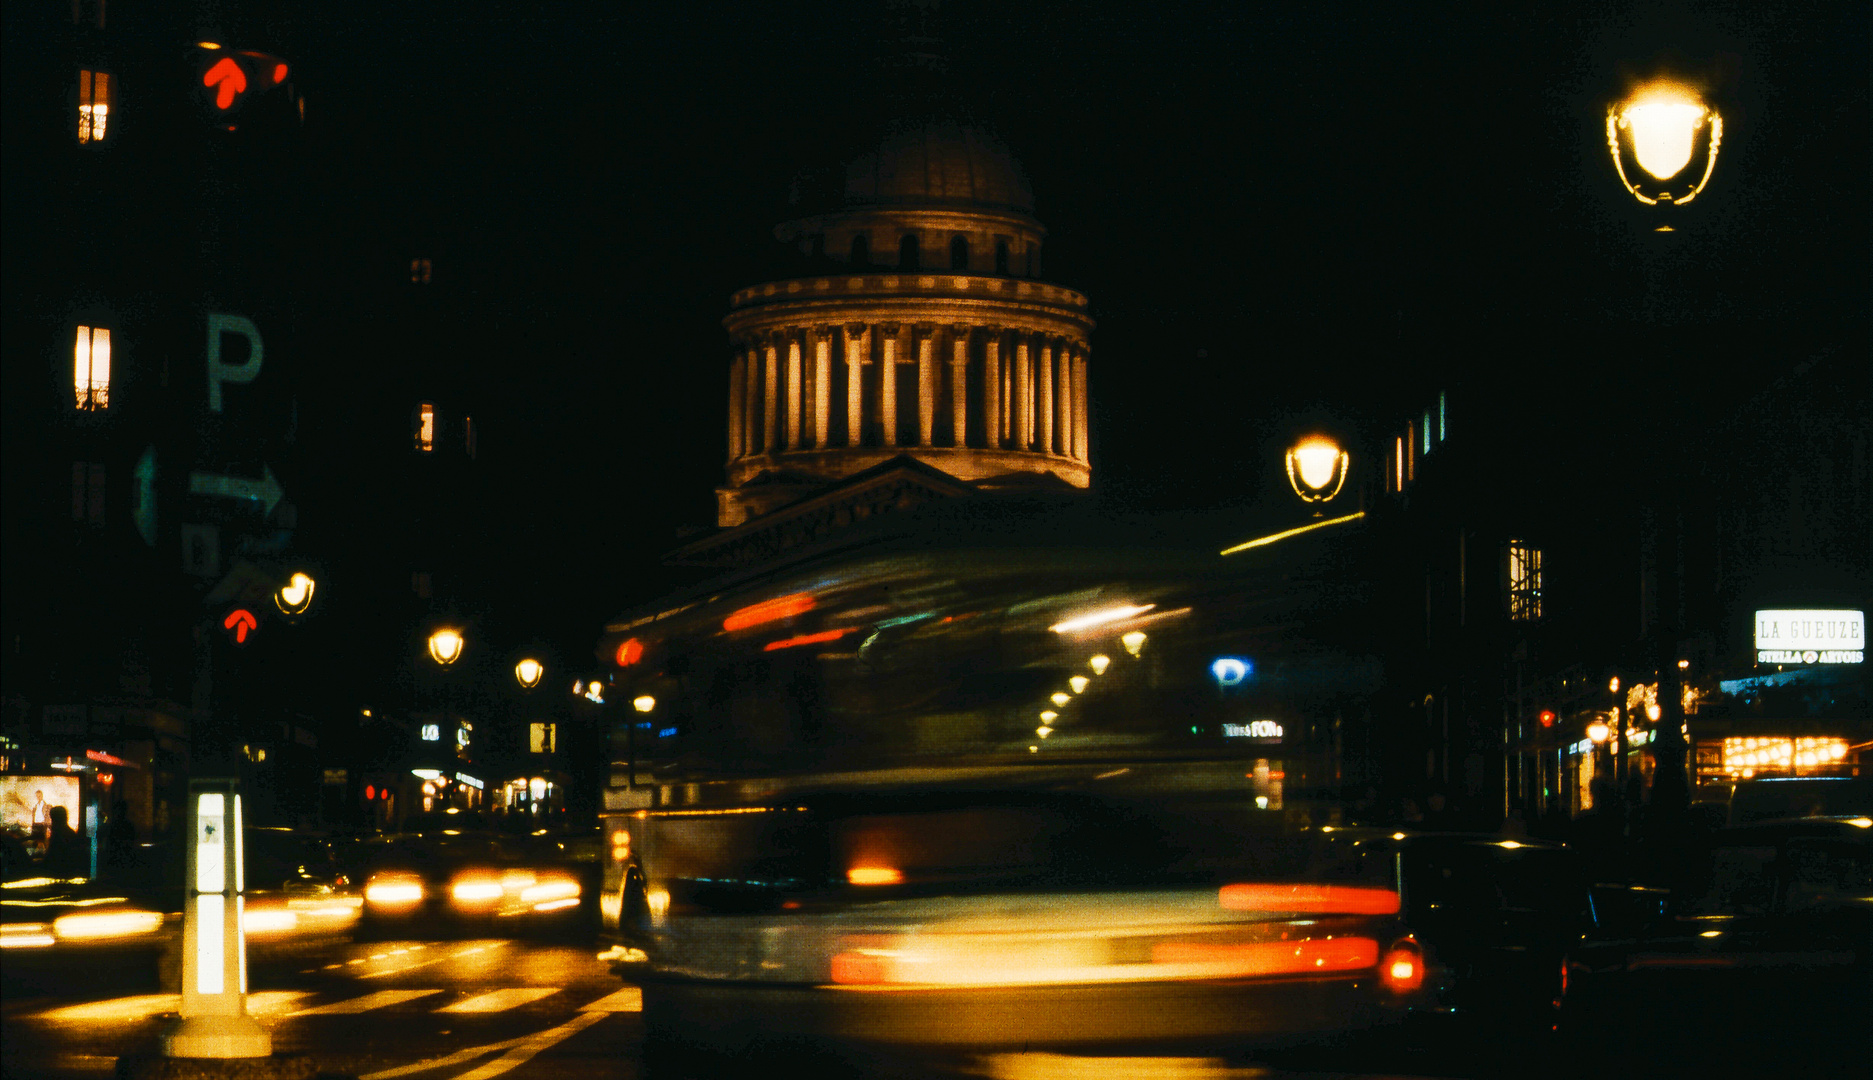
(918, 347)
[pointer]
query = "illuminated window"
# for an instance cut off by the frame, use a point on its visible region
(1524, 581)
(94, 104)
(420, 271)
(468, 435)
(959, 252)
(426, 427)
(91, 368)
(88, 492)
(909, 255)
(861, 250)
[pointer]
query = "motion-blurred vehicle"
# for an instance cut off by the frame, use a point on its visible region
(1763, 959)
(979, 784)
(467, 881)
(57, 915)
(295, 886)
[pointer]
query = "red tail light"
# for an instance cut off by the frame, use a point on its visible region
(1309, 899)
(1273, 957)
(1402, 969)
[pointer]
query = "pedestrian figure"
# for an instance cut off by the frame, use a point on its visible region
(120, 839)
(65, 854)
(42, 821)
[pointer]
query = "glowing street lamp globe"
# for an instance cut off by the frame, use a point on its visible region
(445, 646)
(528, 672)
(1598, 731)
(1317, 468)
(1664, 142)
(294, 597)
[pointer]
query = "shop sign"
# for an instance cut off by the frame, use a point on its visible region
(1804, 636)
(1254, 729)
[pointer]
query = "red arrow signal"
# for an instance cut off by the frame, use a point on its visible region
(240, 620)
(232, 80)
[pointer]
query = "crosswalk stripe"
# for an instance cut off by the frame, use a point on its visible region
(366, 1003)
(144, 1006)
(629, 999)
(500, 1000)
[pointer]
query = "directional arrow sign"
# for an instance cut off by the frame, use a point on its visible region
(266, 491)
(242, 622)
(231, 78)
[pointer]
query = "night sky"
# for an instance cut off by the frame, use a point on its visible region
(1285, 214)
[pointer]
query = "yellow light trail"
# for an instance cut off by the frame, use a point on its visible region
(1298, 530)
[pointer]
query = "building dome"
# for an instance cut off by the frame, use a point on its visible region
(938, 163)
(913, 325)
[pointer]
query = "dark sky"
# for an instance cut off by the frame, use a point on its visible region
(1284, 213)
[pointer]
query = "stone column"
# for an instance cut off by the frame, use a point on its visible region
(926, 383)
(1044, 378)
(736, 402)
(887, 386)
(822, 386)
(750, 404)
(959, 385)
(1024, 394)
(1068, 435)
(793, 391)
(993, 429)
(770, 413)
(857, 354)
(1081, 399)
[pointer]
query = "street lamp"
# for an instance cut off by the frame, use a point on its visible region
(1654, 136)
(528, 672)
(294, 597)
(445, 645)
(1317, 468)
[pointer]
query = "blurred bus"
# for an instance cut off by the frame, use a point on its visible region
(1001, 779)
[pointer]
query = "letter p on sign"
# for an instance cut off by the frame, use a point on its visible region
(218, 327)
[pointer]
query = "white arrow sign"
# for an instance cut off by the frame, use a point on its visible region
(266, 491)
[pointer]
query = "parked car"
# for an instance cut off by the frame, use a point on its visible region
(1759, 962)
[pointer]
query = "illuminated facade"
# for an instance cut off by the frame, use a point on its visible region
(918, 328)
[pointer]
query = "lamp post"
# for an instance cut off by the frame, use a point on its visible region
(528, 673)
(1598, 732)
(445, 648)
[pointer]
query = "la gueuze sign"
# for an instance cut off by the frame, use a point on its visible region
(1810, 637)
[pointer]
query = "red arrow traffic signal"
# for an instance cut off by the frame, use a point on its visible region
(232, 80)
(240, 620)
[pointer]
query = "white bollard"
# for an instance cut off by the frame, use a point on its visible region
(214, 1021)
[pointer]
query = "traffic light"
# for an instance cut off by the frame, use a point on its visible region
(240, 86)
(1546, 716)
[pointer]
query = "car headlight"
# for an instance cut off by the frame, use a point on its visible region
(475, 890)
(98, 925)
(25, 935)
(549, 893)
(390, 892)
